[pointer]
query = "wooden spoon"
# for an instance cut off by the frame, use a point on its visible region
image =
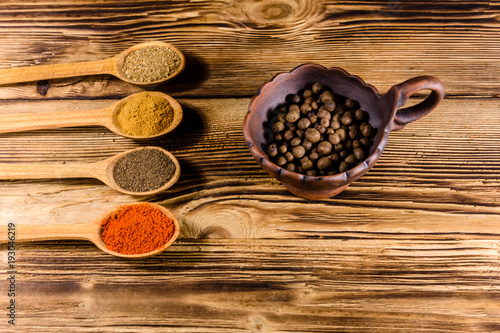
(111, 66)
(102, 170)
(83, 231)
(102, 117)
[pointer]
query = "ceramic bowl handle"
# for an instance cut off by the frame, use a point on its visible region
(406, 89)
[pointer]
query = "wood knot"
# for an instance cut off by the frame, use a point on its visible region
(214, 232)
(276, 11)
(269, 12)
(42, 87)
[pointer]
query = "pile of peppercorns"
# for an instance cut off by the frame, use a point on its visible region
(319, 132)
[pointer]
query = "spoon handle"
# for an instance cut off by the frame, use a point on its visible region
(54, 71)
(52, 170)
(29, 233)
(49, 120)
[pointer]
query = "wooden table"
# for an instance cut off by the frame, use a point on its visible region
(413, 246)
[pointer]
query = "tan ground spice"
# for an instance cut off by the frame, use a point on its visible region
(151, 63)
(145, 115)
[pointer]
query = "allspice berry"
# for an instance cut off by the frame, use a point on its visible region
(304, 123)
(312, 135)
(324, 148)
(307, 144)
(306, 163)
(324, 163)
(299, 151)
(346, 118)
(334, 138)
(293, 116)
(351, 159)
(367, 130)
(317, 88)
(278, 126)
(359, 153)
(272, 150)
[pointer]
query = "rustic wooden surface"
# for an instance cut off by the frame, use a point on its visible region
(413, 246)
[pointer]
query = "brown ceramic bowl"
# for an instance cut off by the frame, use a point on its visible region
(386, 114)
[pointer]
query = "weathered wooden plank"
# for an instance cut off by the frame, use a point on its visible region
(437, 179)
(264, 285)
(231, 47)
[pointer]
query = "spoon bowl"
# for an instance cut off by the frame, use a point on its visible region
(102, 117)
(111, 163)
(90, 231)
(120, 59)
(113, 66)
(102, 170)
(176, 116)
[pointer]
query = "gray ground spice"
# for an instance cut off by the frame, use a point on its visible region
(143, 170)
(151, 63)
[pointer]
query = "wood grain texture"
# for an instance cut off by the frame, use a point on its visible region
(412, 246)
(227, 42)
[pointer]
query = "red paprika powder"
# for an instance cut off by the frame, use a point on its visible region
(137, 229)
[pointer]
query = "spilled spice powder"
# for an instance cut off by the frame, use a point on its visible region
(144, 115)
(151, 63)
(143, 170)
(137, 229)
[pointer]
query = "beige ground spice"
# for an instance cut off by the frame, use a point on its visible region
(145, 115)
(151, 63)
